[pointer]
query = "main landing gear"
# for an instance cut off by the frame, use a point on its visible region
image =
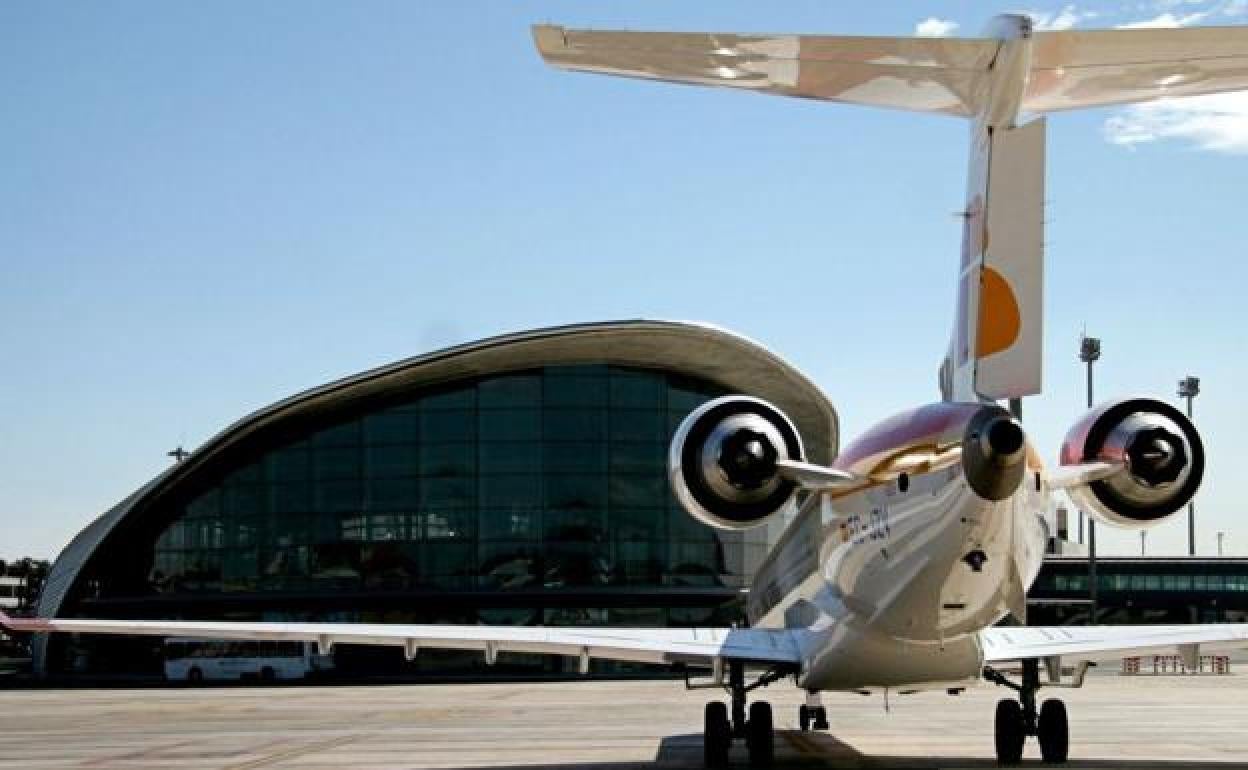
(720, 728)
(1017, 719)
(812, 714)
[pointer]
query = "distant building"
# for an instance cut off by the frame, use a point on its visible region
(516, 480)
(10, 592)
(1060, 543)
(1141, 590)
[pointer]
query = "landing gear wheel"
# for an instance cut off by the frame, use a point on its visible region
(760, 738)
(195, 675)
(716, 735)
(812, 717)
(820, 715)
(1053, 731)
(1008, 732)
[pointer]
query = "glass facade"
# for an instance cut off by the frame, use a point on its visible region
(1060, 584)
(1143, 590)
(531, 497)
(542, 480)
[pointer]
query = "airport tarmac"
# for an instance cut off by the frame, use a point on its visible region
(1117, 722)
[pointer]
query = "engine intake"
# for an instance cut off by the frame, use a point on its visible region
(722, 462)
(1161, 453)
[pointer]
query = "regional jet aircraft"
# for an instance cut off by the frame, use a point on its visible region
(903, 555)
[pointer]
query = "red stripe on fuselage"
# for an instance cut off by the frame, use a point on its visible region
(931, 424)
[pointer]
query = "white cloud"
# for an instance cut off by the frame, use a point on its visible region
(1166, 20)
(1166, 4)
(1069, 16)
(1173, 15)
(1218, 122)
(1235, 8)
(934, 27)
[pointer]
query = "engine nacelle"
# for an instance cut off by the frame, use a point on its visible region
(1161, 453)
(722, 462)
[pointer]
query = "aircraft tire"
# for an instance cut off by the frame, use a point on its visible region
(760, 735)
(716, 735)
(1053, 730)
(195, 675)
(820, 716)
(803, 717)
(1008, 732)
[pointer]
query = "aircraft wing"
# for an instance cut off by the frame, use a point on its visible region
(922, 74)
(1108, 642)
(643, 645)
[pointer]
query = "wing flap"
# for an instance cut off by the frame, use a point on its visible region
(1106, 642)
(642, 645)
(1072, 69)
(942, 75)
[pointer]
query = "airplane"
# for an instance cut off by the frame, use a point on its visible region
(901, 557)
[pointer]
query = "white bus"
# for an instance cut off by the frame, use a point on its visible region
(198, 660)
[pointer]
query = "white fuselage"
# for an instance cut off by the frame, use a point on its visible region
(881, 583)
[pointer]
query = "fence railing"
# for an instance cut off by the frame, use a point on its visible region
(1173, 664)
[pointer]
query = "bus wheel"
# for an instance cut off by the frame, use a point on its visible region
(267, 674)
(195, 676)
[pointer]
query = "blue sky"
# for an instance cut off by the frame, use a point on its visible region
(207, 207)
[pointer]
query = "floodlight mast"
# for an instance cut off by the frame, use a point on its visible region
(1189, 388)
(1090, 353)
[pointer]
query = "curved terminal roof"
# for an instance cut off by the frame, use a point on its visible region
(696, 350)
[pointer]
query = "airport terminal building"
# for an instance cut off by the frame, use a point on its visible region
(516, 480)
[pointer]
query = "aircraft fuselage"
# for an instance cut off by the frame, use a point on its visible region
(890, 583)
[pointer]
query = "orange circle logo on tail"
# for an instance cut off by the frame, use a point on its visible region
(999, 318)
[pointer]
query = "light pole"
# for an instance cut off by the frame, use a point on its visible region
(1220, 536)
(1090, 353)
(1189, 388)
(1143, 541)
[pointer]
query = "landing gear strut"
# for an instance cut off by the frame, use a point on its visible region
(812, 714)
(720, 727)
(1017, 719)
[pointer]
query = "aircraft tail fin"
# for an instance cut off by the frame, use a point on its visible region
(995, 80)
(996, 349)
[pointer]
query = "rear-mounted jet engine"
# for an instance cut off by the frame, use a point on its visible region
(724, 462)
(1142, 461)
